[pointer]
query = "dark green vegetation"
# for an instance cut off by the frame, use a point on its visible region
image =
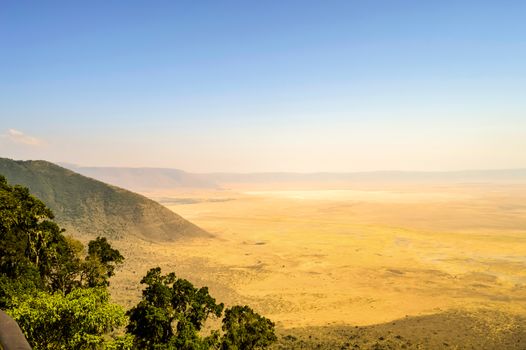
(89, 208)
(58, 293)
(53, 290)
(168, 301)
(245, 329)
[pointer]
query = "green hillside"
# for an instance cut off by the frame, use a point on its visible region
(87, 207)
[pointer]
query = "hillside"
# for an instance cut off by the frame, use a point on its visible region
(87, 207)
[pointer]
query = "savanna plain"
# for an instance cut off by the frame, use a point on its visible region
(420, 265)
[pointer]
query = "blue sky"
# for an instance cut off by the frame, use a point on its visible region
(265, 85)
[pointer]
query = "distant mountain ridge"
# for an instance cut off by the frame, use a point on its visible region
(145, 179)
(89, 207)
(402, 176)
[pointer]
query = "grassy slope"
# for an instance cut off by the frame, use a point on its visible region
(88, 207)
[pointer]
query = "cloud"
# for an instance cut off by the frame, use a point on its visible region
(18, 137)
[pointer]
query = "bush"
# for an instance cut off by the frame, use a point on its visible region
(245, 330)
(78, 320)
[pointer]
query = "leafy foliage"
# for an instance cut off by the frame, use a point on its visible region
(78, 320)
(124, 342)
(171, 313)
(100, 263)
(41, 277)
(246, 330)
(28, 237)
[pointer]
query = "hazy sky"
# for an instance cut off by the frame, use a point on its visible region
(265, 85)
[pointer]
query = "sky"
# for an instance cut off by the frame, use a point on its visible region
(277, 85)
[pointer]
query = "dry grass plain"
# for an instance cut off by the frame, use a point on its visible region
(361, 256)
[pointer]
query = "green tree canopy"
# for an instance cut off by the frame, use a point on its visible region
(33, 248)
(78, 320)
(171, 313)
(246, 330)
(41, 277)
(100, 263)
(27, 234)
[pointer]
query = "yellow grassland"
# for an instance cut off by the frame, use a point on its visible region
(358, 254)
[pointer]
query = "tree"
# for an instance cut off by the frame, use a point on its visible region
(32, 246)
(78, 320)
(100, 263)
(41, 283)
(25, 230)
(245, 330)
(61, 263)
(171, 313)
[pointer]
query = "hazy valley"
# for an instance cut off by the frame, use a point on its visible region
(363, 254)
(385, 260)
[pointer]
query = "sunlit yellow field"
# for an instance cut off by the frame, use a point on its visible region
(355, 256)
